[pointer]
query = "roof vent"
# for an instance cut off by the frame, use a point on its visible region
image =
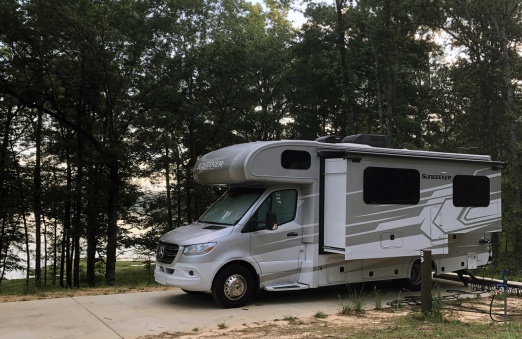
(331, 139)
(374, 140)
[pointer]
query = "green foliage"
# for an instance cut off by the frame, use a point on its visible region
(355, 303)
(412, 326)
(377, 298)
(436, 314)
(320, 315)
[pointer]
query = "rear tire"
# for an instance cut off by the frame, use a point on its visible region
(413, 283)
(233, 286)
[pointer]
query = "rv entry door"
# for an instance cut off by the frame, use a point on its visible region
(277, 251)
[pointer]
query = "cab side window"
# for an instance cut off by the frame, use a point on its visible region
(283, 203)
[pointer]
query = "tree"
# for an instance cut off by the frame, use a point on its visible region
(487, 34)
(316, 95)
(81, 62)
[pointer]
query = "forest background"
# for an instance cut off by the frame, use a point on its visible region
(105, 105)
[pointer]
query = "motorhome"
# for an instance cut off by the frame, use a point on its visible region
(305, 214)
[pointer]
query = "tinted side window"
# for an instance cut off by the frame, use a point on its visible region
(292, 159)
(470, 191)
(391, 186)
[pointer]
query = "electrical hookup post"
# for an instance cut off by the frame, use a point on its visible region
(505, 287)
(426, 282)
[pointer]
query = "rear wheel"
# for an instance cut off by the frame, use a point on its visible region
(233, 286)
(413, 283)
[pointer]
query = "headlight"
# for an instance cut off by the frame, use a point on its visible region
(199, 248)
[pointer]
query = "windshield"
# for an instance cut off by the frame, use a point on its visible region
(231, 206)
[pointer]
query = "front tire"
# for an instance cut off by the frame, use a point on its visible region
(233, 286)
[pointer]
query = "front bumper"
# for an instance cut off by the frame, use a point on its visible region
(186, 276)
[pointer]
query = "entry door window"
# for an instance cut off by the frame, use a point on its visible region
(283, 203)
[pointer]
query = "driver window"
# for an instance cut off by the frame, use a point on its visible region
(283, 203)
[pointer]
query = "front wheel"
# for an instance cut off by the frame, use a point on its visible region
(233, 286)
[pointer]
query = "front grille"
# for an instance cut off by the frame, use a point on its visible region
(166, 253)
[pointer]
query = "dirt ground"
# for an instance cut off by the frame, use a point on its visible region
(332, 326)
(469, 311)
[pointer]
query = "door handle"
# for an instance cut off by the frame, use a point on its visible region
(292, 234)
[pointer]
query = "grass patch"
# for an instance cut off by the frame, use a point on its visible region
(130, 276)
(413, 326)
(377, 299)
(320, 315)
(290, 318)
(355, 303)
(436, 315)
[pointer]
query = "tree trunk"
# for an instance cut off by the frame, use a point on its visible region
(37, 201)
(188, 193)
(348, 112)
(3, 191)
(92, 228)
(66, 247)
(76, 259)
(3, 223)
(513, 139)
(112, 227)
(390, 67)
(3, 150)
(378, 80)
(513, 142)
(55, 250)
(77, 220)
(167, 186)
(27, 250)
(178, 192)
(45, 251)
(62, 259)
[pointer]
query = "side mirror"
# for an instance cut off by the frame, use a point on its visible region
(271, 221)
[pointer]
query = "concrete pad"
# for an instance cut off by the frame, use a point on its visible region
(55, 318)
(150, 313)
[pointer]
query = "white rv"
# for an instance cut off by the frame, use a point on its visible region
(305, 214)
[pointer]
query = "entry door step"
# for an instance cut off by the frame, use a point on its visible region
(286, 287)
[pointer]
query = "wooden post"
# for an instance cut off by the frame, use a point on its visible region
(426, 277)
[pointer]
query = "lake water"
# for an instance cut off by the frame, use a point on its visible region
(122, 255)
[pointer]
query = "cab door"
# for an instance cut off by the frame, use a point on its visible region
(277, 251)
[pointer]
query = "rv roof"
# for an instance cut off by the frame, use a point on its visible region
(254, 161)
(358, 149)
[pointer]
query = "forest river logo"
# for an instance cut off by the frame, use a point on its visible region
(209, 165)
